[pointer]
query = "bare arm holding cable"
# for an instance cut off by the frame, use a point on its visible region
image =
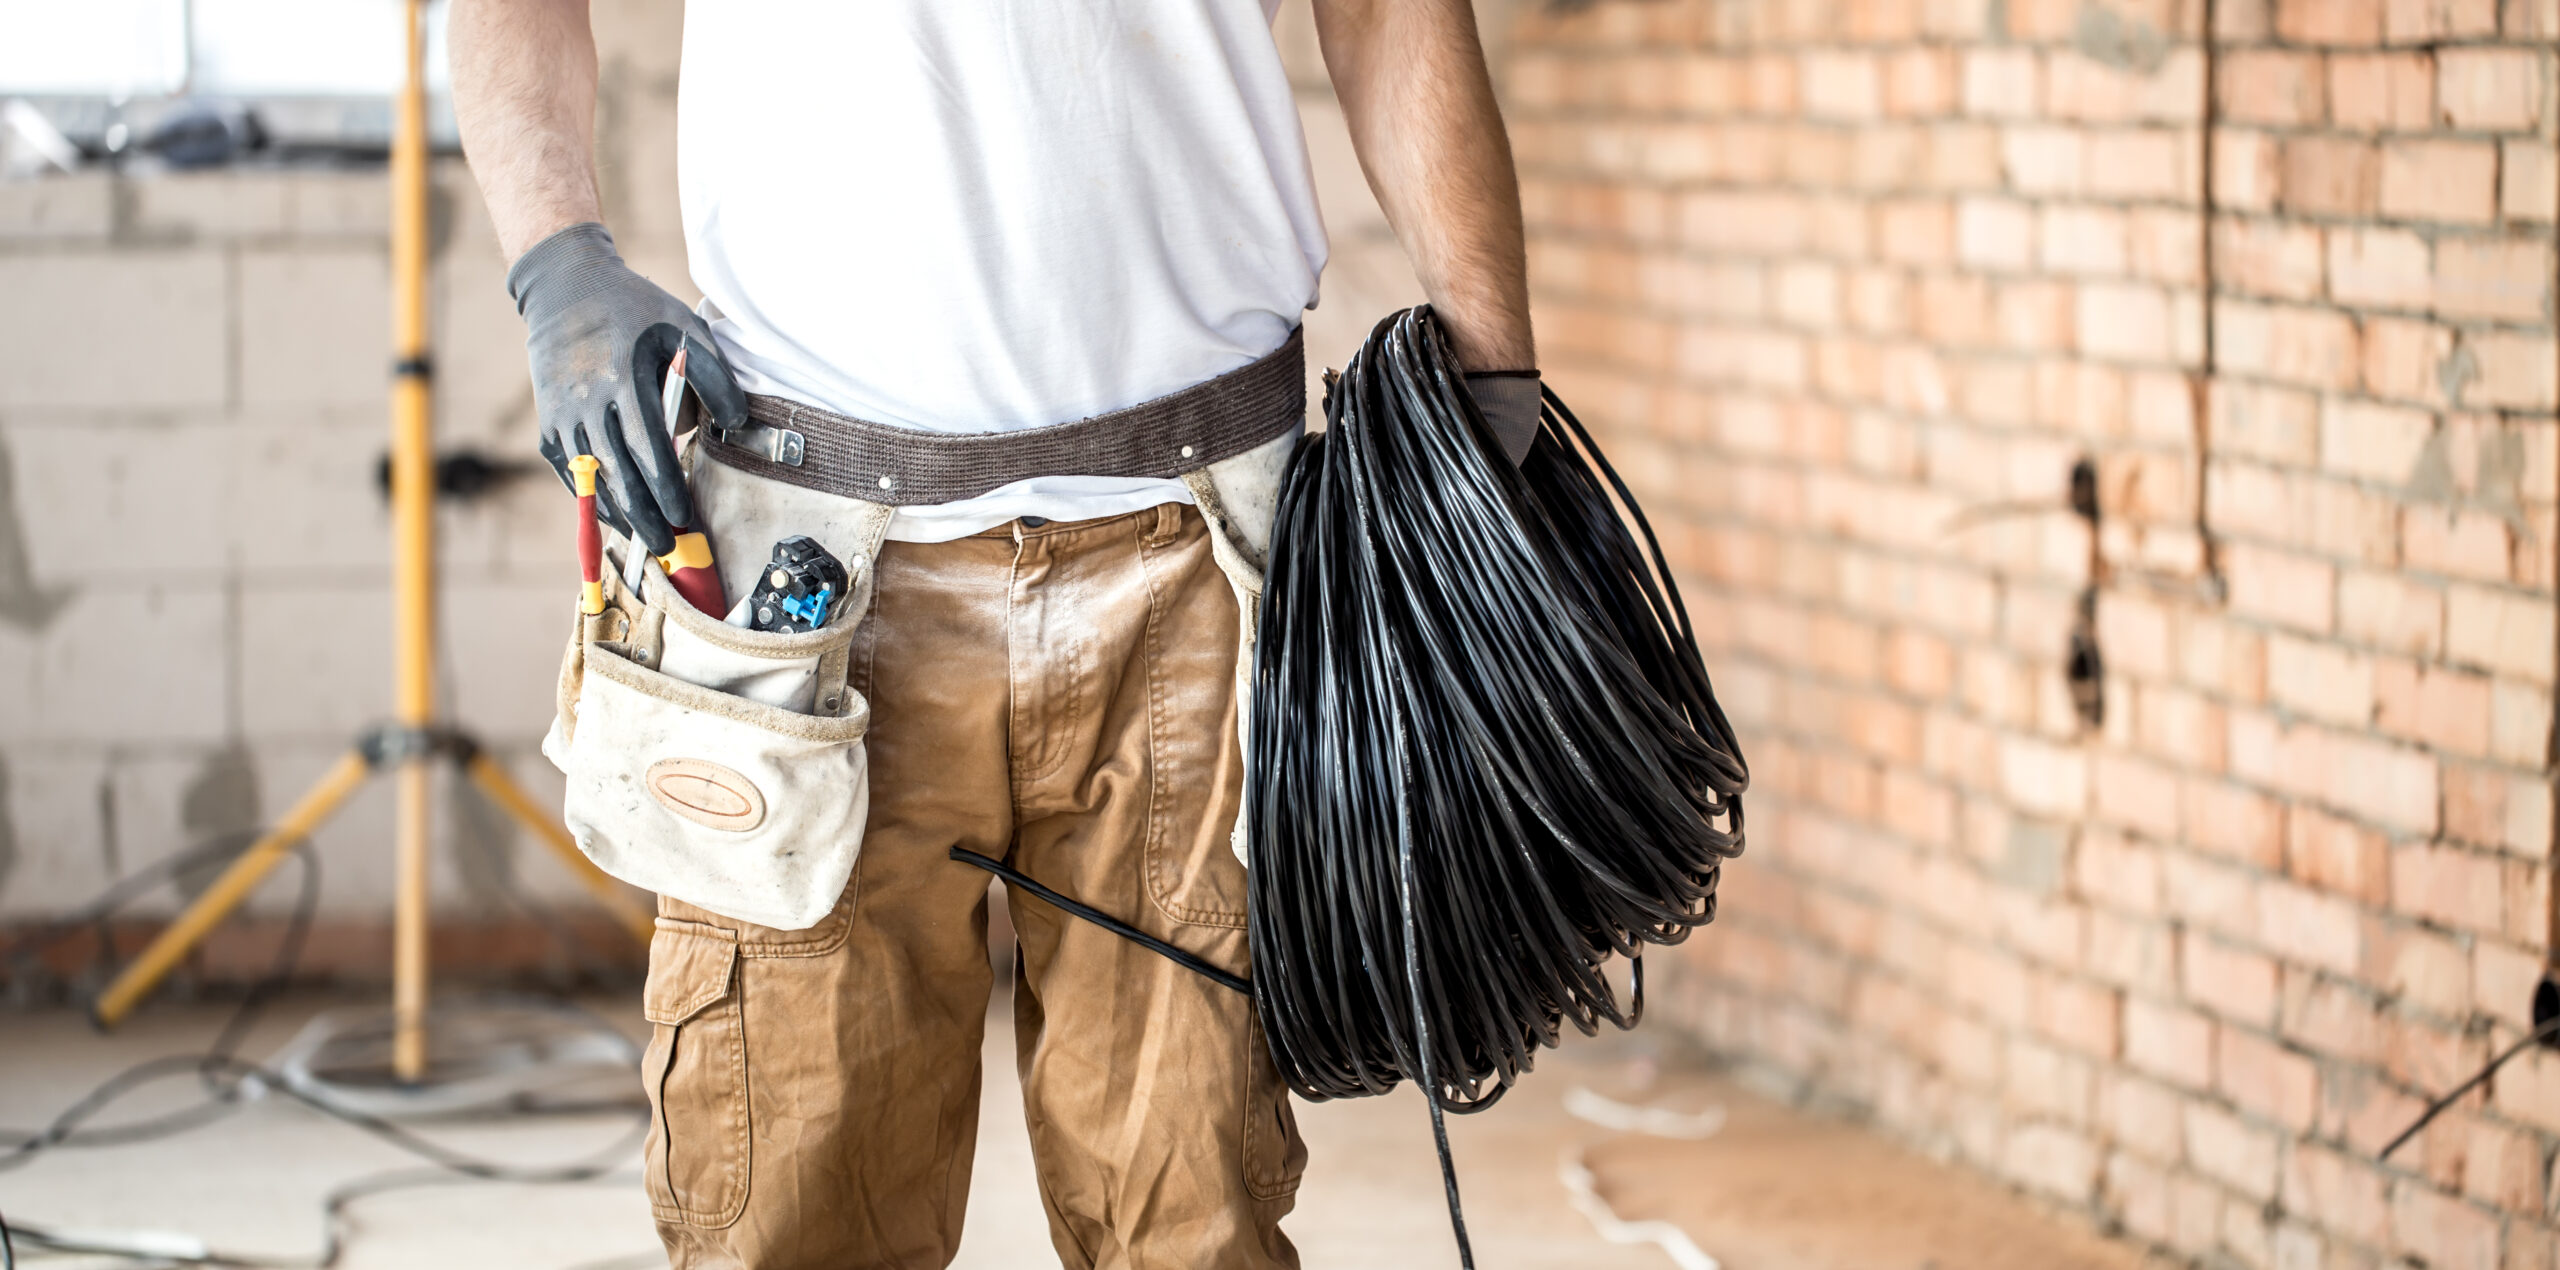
(599, 336)
(1411, 78)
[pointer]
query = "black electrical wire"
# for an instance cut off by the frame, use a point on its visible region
(1190, 961)
(2549, 1028)
(1486, 756)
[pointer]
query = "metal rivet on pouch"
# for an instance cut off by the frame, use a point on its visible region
(1186, 451)
(888, 482)
(831, 703)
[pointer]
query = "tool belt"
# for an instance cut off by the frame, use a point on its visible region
(725, 766)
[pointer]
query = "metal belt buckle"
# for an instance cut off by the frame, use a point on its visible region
(776, 445)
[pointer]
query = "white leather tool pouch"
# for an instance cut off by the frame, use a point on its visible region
(719, 765)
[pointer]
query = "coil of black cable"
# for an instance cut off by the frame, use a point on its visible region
(1485, 755)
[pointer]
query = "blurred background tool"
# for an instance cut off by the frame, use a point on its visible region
(415, 735)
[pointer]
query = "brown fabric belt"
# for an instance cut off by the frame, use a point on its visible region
(1179, 432)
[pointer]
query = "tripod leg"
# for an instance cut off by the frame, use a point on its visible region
(208, 910)
(502, 790)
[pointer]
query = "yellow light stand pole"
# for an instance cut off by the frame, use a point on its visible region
(414, 736)
(413, 546)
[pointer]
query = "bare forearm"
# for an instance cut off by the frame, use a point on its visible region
(1411, 78)
(524, 95)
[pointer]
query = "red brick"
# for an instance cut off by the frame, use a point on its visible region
(2339, 22)
(2529, 180)
(2372, 266)
(2169, 1042)
(2314, 348)
(2382, 92)
(2271, 86)
(1842, 85)
(2342, 1193)
(2328, 176)
(2391, 613)
(2447, 181)
(2496, 278)
(2372, 442)
(2309, 928)
(2403, 359)
(2426, 21)
(2443, 1232)
(2044, 160)
(2337, 855)
(2490, 89)
(2275, 259)
(2142, 163)
(2427, 971)
(2461, 544)
(2234, 822)
(2447, 710)
(2235, 983)
(2512, 371)
(2500, 631)
(1920, 82)
(2287, 590)
(2248, 170)
(2265, 1079)
(2238, 1155)
(2447, 885)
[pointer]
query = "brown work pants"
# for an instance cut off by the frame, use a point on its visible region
(1060, 696)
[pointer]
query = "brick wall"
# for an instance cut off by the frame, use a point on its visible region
(1850, 287)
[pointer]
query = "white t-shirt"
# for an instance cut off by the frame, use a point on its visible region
(975, 216)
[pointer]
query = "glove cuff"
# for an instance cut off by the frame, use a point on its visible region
(565, 268)
(1510, 400)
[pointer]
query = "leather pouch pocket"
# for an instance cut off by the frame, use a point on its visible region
(695, 1072)
(718, 765)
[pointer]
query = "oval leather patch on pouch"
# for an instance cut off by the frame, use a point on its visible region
(706, 793)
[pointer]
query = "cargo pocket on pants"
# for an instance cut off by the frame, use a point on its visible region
(1275, 1157)
(695, 1073)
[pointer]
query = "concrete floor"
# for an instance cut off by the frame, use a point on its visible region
(1769, 1192)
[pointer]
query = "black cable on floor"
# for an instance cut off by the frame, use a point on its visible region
(224, 1076)
(1485, 755)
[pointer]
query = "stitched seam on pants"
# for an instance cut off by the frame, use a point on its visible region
(1157, 869)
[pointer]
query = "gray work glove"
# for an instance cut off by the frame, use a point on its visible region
(600, 340)
(1510, 400)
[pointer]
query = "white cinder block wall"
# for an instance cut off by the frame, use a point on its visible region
(194, 590)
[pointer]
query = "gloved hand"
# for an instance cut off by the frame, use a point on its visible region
(600, 340)
(1510, 400)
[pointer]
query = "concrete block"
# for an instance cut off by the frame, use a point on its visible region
(525, 532)
(128, 663)
(483, 386)
(106, 504)
(77, 207)
(352, 204)
(50, 817)
(315, 661)
(216, 204)
(315, 326)
(504, 643)
(305, 499)
(133, 330)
